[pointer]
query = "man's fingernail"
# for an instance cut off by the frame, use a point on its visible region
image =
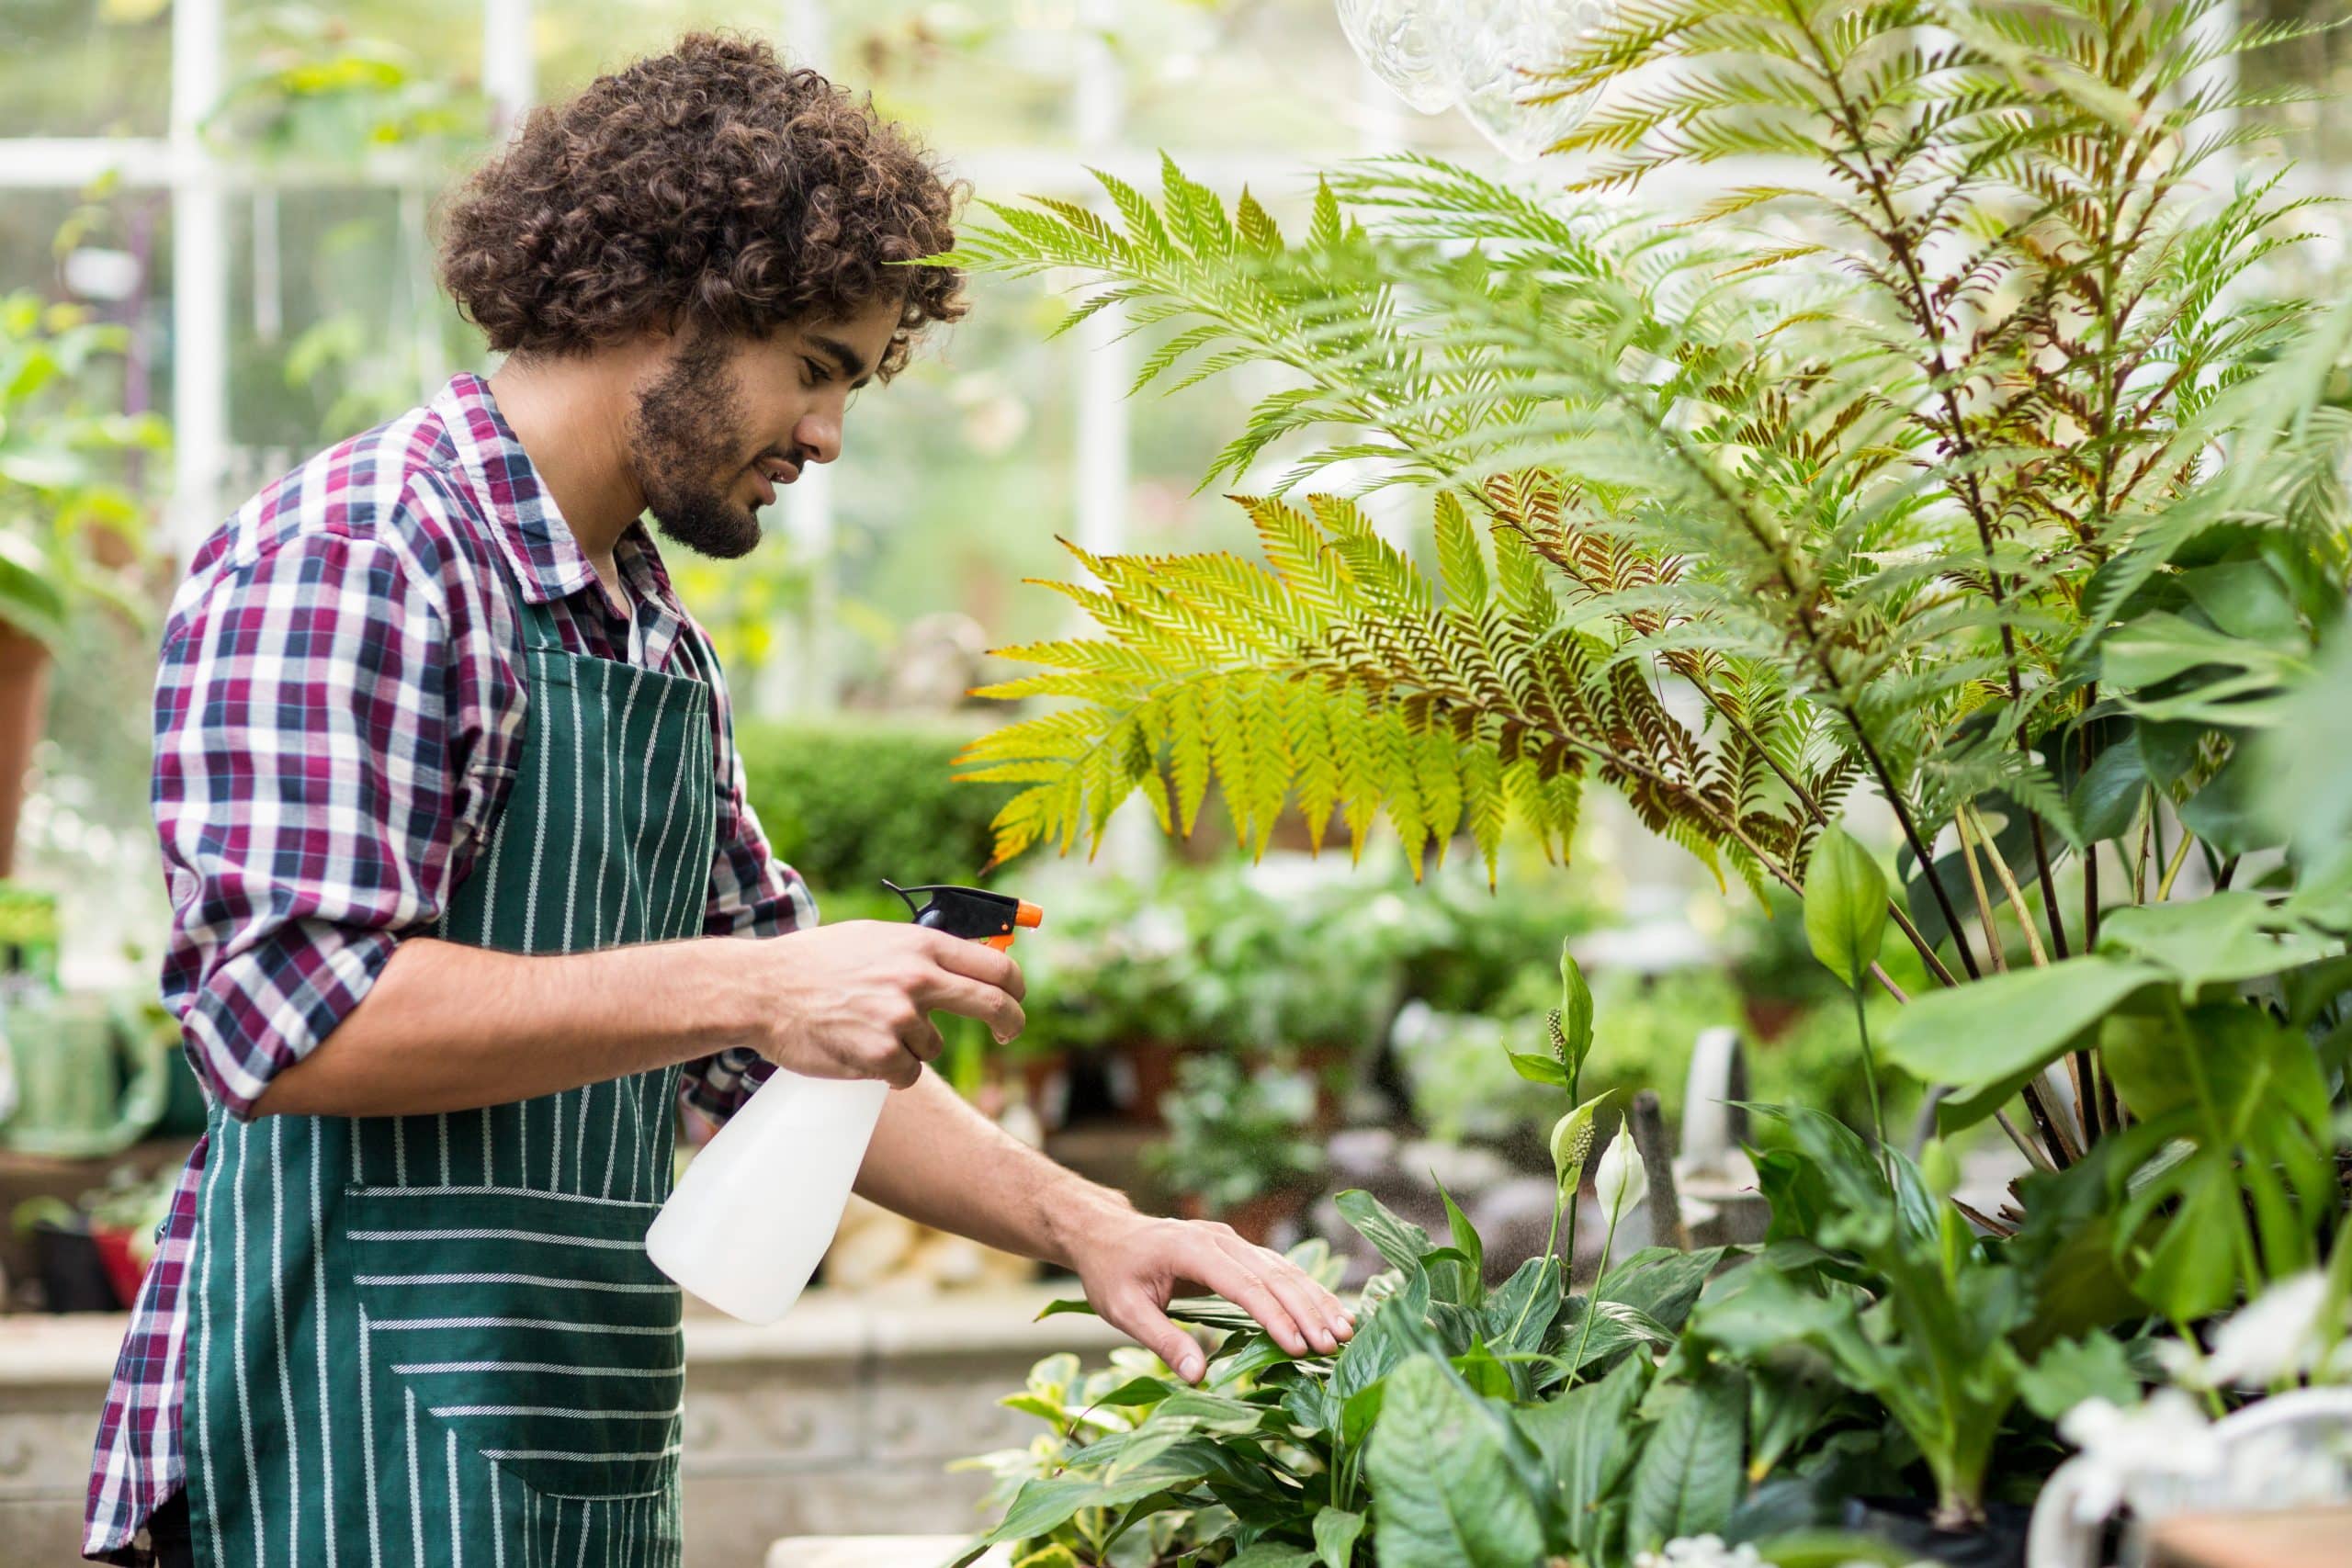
(1191, 1369)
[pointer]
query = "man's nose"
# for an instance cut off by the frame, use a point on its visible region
(819, 435)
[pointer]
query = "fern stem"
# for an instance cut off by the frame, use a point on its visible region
(1993, 950)
(2009, 888)
(1920, 850)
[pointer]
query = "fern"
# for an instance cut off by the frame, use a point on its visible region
(1839, 481)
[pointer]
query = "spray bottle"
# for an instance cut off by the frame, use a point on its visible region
(756, 1209)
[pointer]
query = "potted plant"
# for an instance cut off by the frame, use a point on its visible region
(1237, 1147)
(68, 523)
(1978, 469)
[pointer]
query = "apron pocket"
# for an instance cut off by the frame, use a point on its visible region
(532, 1323)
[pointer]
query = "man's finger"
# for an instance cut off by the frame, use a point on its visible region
(1141, 1320)
(1298, 1294)
(968, 998)
(978, 961)
(1241, 1285)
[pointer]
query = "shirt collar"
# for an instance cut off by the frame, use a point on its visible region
(548, 562)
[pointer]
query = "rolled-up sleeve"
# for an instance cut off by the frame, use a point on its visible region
(752, 894)
(308, 792)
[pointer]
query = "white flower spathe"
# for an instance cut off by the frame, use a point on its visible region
(2275, 1336)
(2127, 1451)
(1619, 1182)
(1709, 1552)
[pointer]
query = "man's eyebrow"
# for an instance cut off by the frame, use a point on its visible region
(844, 359)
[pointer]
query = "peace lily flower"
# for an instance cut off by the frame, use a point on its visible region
(2132, 1451)
(1572, 1143)
(1620, 1183)
(2275, 1336)
(1709, 1552)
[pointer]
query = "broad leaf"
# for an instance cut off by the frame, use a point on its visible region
(1450, 1498)
(1689, 1474)
(2007, 1024)
(1845, 905)
(1336, 1531)
(1401, 1242)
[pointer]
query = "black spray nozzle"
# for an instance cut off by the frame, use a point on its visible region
(971, 912)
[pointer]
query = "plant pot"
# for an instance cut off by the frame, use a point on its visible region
(1769, 1018)
(1045, 1076)
(1142, 1072)
(73, 1274)
(1907, 1524)
(123, 1271)
(24, 705)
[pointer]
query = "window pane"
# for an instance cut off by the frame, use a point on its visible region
(84, 68)
(955, 478)
(1276, 79)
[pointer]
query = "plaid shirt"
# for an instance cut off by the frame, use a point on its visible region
(337, 720)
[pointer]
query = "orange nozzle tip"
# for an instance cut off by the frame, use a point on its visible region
(1029, 917)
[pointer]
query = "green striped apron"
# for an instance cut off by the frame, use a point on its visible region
(437, 1340)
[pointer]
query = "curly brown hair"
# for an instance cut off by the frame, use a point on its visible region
(712, 187)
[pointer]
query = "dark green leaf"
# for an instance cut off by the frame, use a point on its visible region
(2074, 1369)
(1689, 1474)
(1661, 1282)
(1466, 1241)
(1449, 1496)
(1401, 1242)
(2107, 802)
(1336, 1530)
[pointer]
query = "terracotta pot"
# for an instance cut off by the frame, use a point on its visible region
(1144, 1071)
(24, 706)
(1769, 1017)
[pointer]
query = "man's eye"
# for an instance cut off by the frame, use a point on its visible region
(816, 372)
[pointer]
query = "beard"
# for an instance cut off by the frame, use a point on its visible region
(683, 445)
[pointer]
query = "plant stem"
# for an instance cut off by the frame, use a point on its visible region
(1870, 1076)
(1592, 1302)
(2180, 859)
(1920, 850)
(1983, 904)
(2009, 888)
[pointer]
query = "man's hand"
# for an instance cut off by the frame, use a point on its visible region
(1134, 1265)
(853, 1001)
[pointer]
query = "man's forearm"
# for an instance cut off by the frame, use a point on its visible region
(447, 1027)
(935, 1159)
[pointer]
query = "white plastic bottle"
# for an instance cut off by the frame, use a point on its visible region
(757, 1207)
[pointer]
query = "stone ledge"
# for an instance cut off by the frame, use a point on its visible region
(38, 1350)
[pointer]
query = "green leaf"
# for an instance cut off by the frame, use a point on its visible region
(2210, 940)
(1271, 1554)
(1661, 1282)
(1845, 905)
(2107, 800)
(1336, 1531)
(1576, 1014)
(1587, 1437)
(1449, 1496)
(1401, 1242)
(1466, 1242)
(2074, 1369)
(1538, 1069)
(1689, 1474)
(2007, 1024)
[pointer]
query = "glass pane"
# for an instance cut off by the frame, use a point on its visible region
(1275, 79)
(953, 481)
(334, 320)
(84, 67)
(580, 40)
(341, 85)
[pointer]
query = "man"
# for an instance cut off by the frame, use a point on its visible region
(457, 851)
